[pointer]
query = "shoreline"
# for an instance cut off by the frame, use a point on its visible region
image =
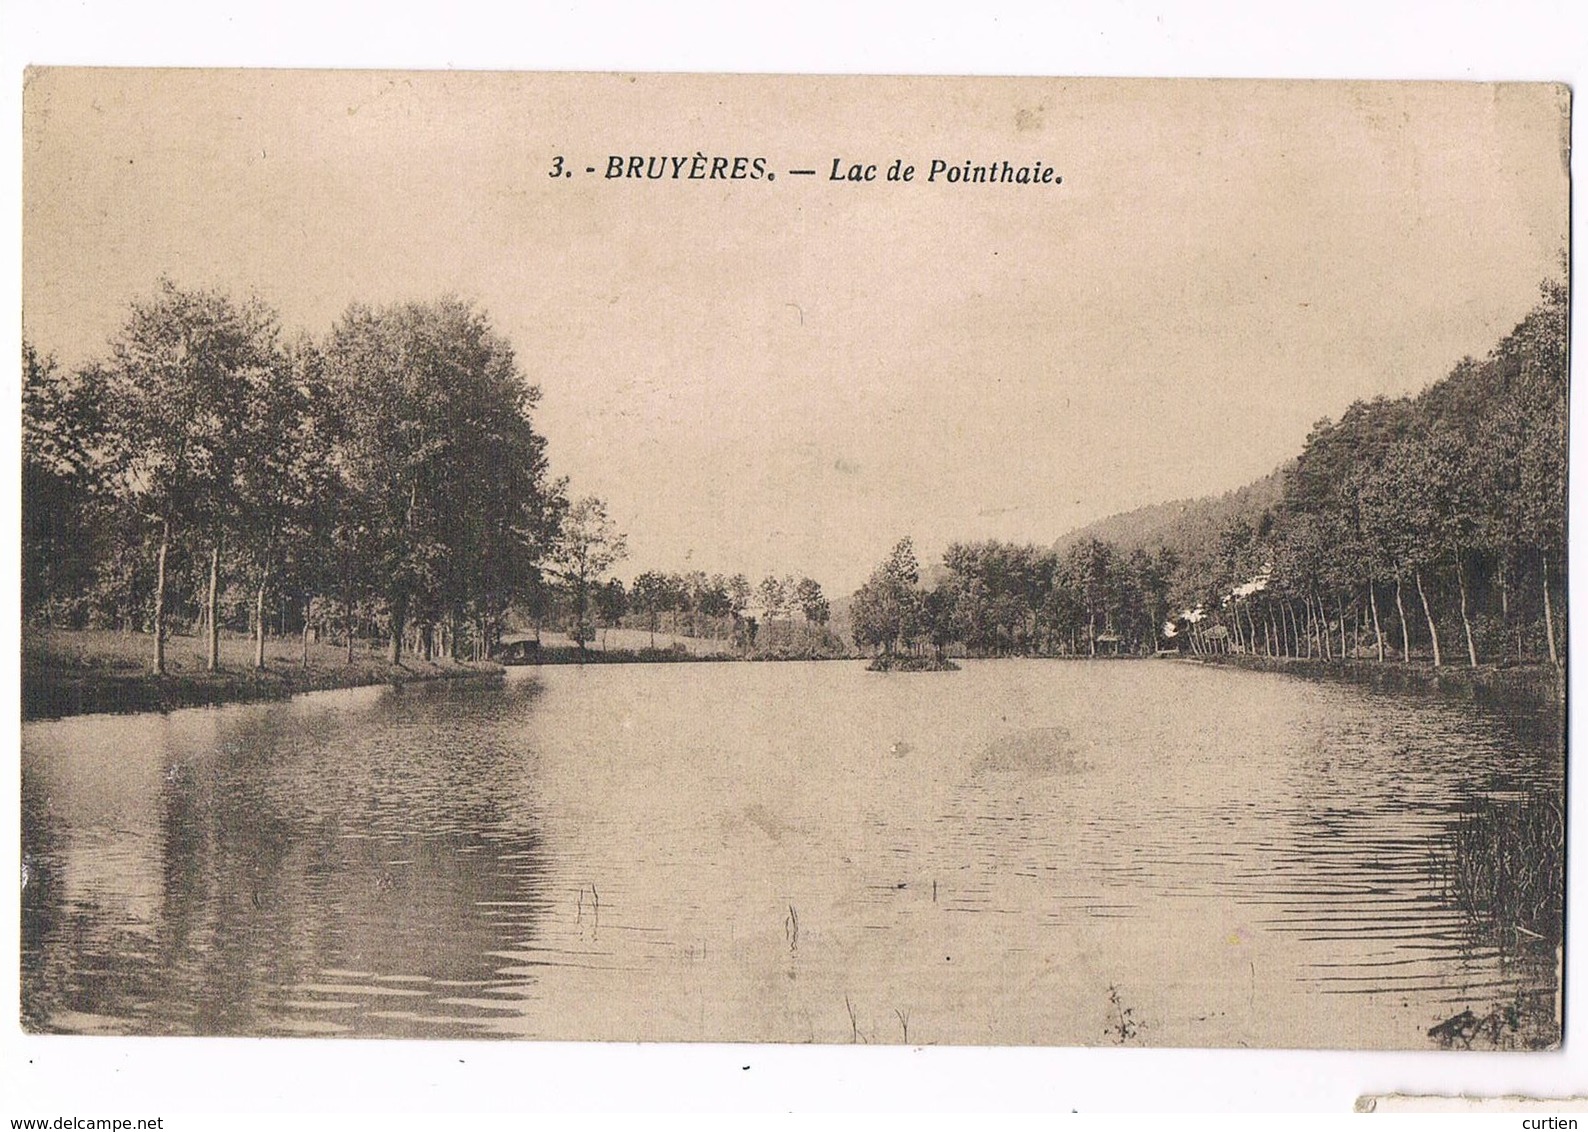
(58, 684)
(1541, 684)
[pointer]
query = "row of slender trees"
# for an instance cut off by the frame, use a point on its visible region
(1415, 523)
(715, 605)
(692, 604)
(1405, 525)
(384, 478)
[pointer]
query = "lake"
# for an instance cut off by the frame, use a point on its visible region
(1025, 851)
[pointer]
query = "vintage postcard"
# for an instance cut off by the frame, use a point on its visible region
(934, 561)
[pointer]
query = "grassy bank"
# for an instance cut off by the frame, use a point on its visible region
(1535, 683)
(77, 672)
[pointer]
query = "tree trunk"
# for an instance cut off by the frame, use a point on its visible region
(212, 652)
(1378, 632)
(394, 650)
(1339, 604)
(306, 632)
(259, 625)
(1466, 623)
(1549, 615)
(1433, 630)
(578, 625)
(1400, 608)
(159, 600)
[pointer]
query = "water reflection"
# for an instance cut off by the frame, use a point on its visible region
(337, 864)
(1020, 852)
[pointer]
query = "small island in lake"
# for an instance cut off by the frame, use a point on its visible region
(886, 663)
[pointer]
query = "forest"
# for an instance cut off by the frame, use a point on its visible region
(1428, 527)
(385, 482)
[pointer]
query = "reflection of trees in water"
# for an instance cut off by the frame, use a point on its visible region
(43, 913)
(1499, 861)
(396, 842)
(1454, 810)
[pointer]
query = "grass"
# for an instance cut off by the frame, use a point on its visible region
(1504, 865)
(73, 672)
(1123, 1028)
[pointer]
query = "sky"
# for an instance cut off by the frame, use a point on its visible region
(788, 375)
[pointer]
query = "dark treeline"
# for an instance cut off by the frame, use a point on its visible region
(382, 482)
(1408, 528)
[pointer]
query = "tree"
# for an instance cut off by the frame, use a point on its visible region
(279, 470)
(773, 596)
(887, 610)
(808, 597)
(611, 602)
(65, 482)
(442, 468)
(588, 545)
(738, 594)
(178, 383)
(649, 595)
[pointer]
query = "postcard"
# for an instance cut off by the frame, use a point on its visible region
(727, 558)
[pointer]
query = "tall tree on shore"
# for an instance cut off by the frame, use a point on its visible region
(649, 595)
(280, 471)
(442, 468)
(65, 478)
(588, 545)
(178, 384)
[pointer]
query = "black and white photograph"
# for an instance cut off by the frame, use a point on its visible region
(920, 561)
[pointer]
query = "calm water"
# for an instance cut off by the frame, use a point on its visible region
(773, 852)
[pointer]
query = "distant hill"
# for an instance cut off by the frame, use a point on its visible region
(1190, 526)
